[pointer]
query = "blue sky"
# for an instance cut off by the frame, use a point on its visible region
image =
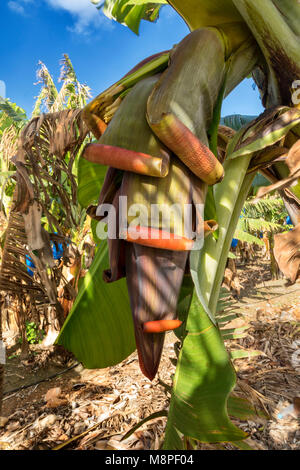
(101, 50)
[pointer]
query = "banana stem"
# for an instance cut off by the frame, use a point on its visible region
(230, 196)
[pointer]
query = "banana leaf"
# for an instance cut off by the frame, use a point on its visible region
(244, 353)
(265, 131)
(242, 409)
(90, 181)
(131, 12)
(99, 328)
(199, 399)
(14, 112)
(200, 13)
(247, 237)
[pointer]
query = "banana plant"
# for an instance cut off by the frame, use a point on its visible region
(12, 119)
(158, 132)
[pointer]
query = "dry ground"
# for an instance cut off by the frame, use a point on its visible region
(96, 408)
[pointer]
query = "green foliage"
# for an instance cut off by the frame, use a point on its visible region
(71, 95)
(48, 94)
(242, 409)
(13, 356)
(131, 12)
(243, 236)
(265, 215)
(11, 114)
(33, 334)
(90, 180)
(99, 328)
(97, 240)
(199, 400)
(196, 13)
(12, 119)
(267, 134)
(271, 209)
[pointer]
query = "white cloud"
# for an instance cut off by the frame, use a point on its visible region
(83, 11)
(16, 7)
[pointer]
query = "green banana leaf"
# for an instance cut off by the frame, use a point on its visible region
(11, 115)
(273, 28)
(244, 353)
(247, 237)
(242, 409)
(14, 112)
(98, 331)
(90, 180)
(199, 399)
(237, 407)
(201, 13)
(131, 12)
(97, 240)
(265, 131)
